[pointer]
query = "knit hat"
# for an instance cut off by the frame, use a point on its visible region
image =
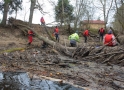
(110, 32)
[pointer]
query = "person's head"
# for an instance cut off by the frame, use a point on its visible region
(56, 27)
(110, 32)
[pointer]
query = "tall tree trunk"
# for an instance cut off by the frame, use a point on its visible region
(33, 2)
(15, 14)
(6, 7)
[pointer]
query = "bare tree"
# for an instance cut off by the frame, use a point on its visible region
(106, 8)
(83, 10)
(33, 3)
(119, 15)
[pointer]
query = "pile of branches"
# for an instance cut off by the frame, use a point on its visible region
(109, 55)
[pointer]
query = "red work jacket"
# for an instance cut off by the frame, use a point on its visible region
(86, 33)
(30, 32)
(56, 30)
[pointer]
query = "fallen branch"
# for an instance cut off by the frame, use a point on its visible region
(102, 54)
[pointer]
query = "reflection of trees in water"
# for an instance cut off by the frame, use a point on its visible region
(21, 81)
(13, 81)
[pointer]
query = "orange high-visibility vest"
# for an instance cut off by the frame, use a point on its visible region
(108, 39)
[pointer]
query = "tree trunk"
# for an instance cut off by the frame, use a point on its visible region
(15, 14)
(6, 7)
(33, 2)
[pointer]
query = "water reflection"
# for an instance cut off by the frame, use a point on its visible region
(21, 81)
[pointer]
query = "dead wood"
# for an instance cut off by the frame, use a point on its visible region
(118, 84)
(108, 59)
(102, 54)
(115, 35)
(49, 34)
(16, 49)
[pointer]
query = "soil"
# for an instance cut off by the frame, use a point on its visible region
(45, 63)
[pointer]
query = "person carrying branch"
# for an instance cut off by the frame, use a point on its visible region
(109, 39)
(86, 34)
(30, 37)
(101, 33)
(42, 21)
(73, 39)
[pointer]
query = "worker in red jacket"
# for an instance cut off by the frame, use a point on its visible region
(30, 36)
(42, 21)
(109, 39)
(101, 33)
(86, 34)
(56, 33)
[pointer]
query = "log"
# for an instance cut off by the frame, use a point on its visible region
(56, 80)
(115, 35)
(16, 49)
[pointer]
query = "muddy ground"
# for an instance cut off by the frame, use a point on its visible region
(45, 63)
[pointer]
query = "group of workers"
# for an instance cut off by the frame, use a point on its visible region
(44, 44)
(108, 39)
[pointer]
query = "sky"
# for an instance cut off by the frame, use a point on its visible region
(47, 7)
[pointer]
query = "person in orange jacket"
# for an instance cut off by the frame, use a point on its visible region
(30, 36)
(101, 33)
(42, 21)
(109, 39)
(86, 34)
(56, 33)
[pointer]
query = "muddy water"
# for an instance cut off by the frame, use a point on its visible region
(21, 81)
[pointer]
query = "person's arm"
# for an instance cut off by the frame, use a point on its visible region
(98, 31)
(114, 40)
(84, 33)
(88, 33)
(103, 40)
(103, 31)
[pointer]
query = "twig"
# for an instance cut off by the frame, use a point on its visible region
(109, 58)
